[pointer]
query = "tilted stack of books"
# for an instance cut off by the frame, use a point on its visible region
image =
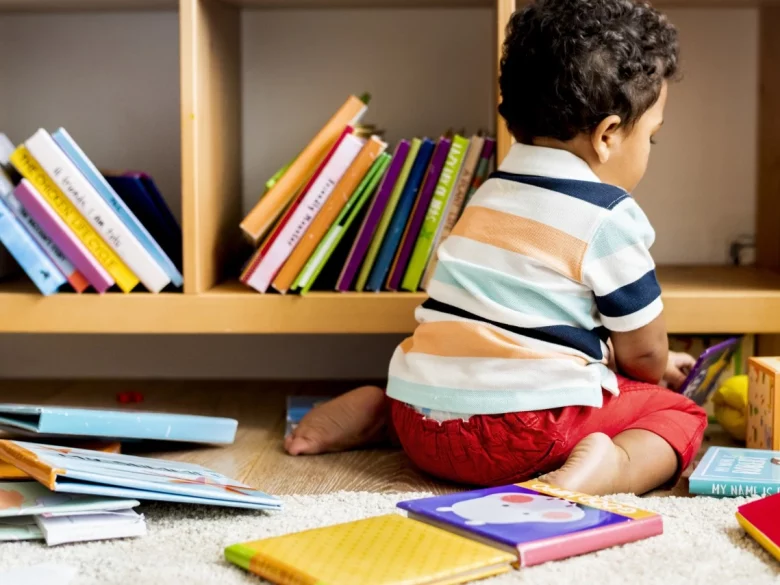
(351, 214)
(70, 227)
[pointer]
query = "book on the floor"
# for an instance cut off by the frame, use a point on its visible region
(761, 520)
(8, 471)
(383, 550)
(535, 521)
(19, 528)
(117, 424)
(61, 528)
(297, 407)
(80, 471)
(734, 471)
(30, 498)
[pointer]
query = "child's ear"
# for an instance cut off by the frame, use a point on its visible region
(606, 137)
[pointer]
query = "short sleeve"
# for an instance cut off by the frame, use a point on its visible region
(620, 271)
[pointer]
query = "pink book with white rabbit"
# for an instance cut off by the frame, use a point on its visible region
(536, 521)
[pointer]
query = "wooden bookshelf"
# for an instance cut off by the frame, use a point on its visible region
(698, 299)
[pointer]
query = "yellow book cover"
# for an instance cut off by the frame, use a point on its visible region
(384, 550)
(29, 168)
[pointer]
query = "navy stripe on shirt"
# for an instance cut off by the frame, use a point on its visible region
(599, 194)
(630, 298)
(588, 341)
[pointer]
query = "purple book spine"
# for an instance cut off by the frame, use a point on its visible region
(363, 240)
(61, 235)
(418, 213)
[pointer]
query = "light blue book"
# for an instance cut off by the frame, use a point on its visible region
(33, 260)
(117, 424)
(735, 471)
(96, 179)
(81, 471)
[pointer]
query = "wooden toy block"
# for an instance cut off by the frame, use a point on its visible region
(763, 424)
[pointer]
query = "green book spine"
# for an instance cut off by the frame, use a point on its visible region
(240, 555)
(360, 197)
(435, 215)
(384, 222)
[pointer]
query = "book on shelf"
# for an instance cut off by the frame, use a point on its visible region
(353, 213)
(94, 236)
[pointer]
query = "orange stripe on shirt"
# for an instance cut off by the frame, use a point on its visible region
(462, 339)
(559, 250)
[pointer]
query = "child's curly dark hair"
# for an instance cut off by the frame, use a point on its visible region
(568, 64)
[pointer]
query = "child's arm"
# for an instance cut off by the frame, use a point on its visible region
(643, 354)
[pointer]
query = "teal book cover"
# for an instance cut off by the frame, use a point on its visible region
(735, 472)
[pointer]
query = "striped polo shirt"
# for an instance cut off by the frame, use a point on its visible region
(544, 262)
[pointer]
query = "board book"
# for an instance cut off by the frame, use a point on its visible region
(117, 424)
(30, 498)
(535, 521)
(707, 372)
(8, 471)
(734, 471)
(761, 520)
(80, 471)
(383, 550)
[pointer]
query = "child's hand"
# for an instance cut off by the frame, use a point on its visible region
(677, 369)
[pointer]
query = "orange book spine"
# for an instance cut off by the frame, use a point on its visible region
(28, 462)
(273, 203)
(327, 215)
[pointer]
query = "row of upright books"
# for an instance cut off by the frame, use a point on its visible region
(72, 228)
(352, 214)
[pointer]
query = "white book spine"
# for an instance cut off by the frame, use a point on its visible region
(292, 232)
(95, 209)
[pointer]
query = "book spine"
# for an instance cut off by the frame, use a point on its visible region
(732, 489)
(586, 541)
(31, 170)
(102, 187)
(387, 216)
(318, 260)
(328, 214)
(455, 205)
(33, 260)
(34, 204)
(378, 205)
(272, 204)
(435, 214)
(96, 211)
(311, 204)
(268, 568)
(77, 280)
(483, 168)
(279, 225)
(400, 218)
(418, 214)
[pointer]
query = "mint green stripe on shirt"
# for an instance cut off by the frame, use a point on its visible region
(463, 401)
(625, 227)
(516, 294)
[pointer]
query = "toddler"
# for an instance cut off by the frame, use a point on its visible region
(542, 346)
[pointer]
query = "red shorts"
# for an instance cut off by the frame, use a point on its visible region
(492, 450)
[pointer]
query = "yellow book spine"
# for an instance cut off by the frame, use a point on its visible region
(32, 171)
(267, 567)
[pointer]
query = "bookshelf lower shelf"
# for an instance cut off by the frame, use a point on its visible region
(697, 299)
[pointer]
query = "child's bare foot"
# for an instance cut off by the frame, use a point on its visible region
(596, 466)
(350, 420)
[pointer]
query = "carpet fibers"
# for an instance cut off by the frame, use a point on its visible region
(702, 543)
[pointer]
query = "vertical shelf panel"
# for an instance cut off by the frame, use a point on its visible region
(211, 138)
(504, 11)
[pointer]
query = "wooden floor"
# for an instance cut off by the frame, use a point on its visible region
(256, 458)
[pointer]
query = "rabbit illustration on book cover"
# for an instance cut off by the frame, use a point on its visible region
(515, 508)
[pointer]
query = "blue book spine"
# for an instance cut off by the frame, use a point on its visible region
(720, 488)
(28, 254)
(85, 166)
(396, 229)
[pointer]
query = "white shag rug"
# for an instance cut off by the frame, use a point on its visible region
(702, 543)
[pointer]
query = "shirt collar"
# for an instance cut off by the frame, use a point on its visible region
(524, 159)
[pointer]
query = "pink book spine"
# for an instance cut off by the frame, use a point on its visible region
(569, 545)
(59, 232)
(319, 190)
